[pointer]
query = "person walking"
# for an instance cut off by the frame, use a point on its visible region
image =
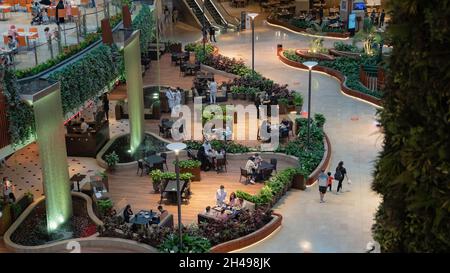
(106, 105)
(382, 15)
(372, 17)
(166, 14)
(221, 194)
(330, 181)
(339, 175)
(174, 15)
(323, 184)
(212, 34)
(212, 92)
(8, 190)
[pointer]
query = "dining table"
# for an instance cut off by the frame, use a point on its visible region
(264, 168)
(153, 160)
(27, 35)
(143, 218)
(171, 190)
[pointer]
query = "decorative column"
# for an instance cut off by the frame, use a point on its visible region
(50, 138)
(133, 71)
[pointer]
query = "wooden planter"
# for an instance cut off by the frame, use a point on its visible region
(290, 108)
(298, 182)
(282, 109)
(242, 96)
(234, 96)
(156, 186)
(194, 171)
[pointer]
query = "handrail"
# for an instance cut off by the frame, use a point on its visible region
(222, 8)
(66, 61)
(220, 14)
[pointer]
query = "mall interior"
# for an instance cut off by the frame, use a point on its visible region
(224, 126)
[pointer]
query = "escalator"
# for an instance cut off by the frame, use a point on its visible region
(220, 15)
(197, 11)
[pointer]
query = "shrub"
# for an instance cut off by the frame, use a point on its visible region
(188, 164)
(191, 244)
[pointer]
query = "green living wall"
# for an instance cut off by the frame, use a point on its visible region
(412, 171)
(145, 22)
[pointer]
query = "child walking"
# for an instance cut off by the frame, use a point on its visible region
(330, 181)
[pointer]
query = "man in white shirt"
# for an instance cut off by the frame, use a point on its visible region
(207, 146)
(8, 190)
(323, 184)
(84, 126)
(251, 167)
(213, 92)
(221, 194)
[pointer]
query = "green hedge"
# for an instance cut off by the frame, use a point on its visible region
(84, 79)
(145, 22)
(20, 115)
(347, 66)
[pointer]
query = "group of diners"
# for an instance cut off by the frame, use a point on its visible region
(224, 210)
(284, 128)
(143, 218)
(211, 158)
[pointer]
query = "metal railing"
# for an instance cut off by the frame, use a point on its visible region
(63, 36)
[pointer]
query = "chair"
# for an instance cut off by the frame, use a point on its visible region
(141, 167)
(186, 57)
(164, 155)
(221, 164)
(20, 29)
(51, 13)
(274, 162)
(5, 39)
(35, 35)
(61, 13)
(75, 11)
(174, 59)
(245, 174)
(21, 40)
(183, 69)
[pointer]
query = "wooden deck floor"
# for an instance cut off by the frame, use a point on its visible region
(128, 188)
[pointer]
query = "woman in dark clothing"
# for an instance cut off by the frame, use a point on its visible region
(58, 7)
(127, 213)
(106, 105)
(341, 172)
(201, 155)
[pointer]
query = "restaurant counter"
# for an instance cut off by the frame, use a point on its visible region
(86, 144)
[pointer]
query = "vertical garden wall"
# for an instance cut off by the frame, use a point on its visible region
(412, 172)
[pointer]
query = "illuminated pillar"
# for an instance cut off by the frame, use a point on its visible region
(50, 137)
(132, 57)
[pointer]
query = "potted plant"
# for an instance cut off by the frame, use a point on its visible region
(190, 166)
(299, 178)
(319, 119)
(112, 159)
(251, 93)
(119, 109)
(186, 177)
(234, 92)
(298, 102)
(104, 207)
(282, 103)
(103, 177)
(242, 93)
(156, 176)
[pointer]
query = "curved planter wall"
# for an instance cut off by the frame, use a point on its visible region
(251, 238)
(48, 247)
(333, 73)
(275, 22)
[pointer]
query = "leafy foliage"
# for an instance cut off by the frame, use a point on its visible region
(112, 159)
(189, 164)
(412, 171)
(191, 244)
(102, 66)
(20, 115)
(341, 46)
(145, 22)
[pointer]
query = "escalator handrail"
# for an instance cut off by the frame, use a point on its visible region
(217, 10)
(226, 11)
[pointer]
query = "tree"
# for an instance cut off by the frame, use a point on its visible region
(369, 36)
(412, 172)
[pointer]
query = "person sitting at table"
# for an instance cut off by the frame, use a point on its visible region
(127, 213)
(201, 156)
(162, 213)
(233, 200)
(60, 6)
(221, 194)
(284, 129)
(12, 45)
(222, 216)
(258, 159)
(83, 126)
(251, 167)
(12, 31)
(45, 2)
(207, 145)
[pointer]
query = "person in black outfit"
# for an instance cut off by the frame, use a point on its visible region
(341, 172)
(45, 2)
(201, 156)
(321, 14)
(212, 34)
(106, 105)
(127, 213)
(58, 7)
(382, 15)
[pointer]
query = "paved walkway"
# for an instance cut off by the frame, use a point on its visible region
(343, 223)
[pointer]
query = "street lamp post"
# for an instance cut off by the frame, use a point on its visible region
(310, 65)
(177, 147)
(204, 30)
(253, 16)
